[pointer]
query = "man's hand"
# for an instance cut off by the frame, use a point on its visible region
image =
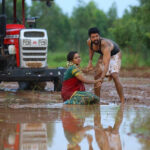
(90, 66)
(98, 83)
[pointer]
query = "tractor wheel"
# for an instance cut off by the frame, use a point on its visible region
(32, 85)
(23, 85)
(57, 85)
(37, 86)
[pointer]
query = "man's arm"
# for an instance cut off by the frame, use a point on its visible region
(106, 57)
(91, 54)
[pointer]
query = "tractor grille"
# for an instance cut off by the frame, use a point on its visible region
(33, 34)
(34, 54)
(32, 51)
(34, 48)
(34, 59)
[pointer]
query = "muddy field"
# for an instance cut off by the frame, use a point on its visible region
(24, 113)
(136, 85)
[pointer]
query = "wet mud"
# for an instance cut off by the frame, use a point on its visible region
(39, 120)
(136, 91)
(136, 84)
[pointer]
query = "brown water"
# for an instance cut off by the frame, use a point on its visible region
(38, 120)
(104, 127)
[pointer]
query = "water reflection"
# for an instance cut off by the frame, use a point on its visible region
(28, 129)
(75, 130)
(74, 127)
(141, 127)
(25, 136)
(108, 138)
(33, 136)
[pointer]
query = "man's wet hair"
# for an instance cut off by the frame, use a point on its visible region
(93, 30)
(71, 55)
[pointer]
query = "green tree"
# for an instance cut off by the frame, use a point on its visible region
(132, 31)
(125, 32)
(112, 14)
(142, 13)
(9, 10)
(84, 17)
(55, 22)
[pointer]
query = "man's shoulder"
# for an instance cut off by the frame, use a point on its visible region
(106, 42)
(89, 42)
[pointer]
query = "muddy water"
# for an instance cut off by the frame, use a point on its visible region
(57, 126)
(38, 120)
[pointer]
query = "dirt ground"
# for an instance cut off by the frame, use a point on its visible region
(136, 72)
(136, 84)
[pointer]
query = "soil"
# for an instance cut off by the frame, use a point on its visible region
(136, 84)
(136, 72)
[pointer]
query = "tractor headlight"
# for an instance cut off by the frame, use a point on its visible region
(42, 42)
(26, 42)
(11, 49)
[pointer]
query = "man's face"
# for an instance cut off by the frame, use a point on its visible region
(95, 38)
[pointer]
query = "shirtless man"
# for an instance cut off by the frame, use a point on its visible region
(110, 57)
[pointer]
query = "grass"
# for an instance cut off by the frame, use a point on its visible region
(132, 60)
(58, 59)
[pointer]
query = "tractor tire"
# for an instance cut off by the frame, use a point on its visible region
(57, 84)
(32, 85)
(23, 85)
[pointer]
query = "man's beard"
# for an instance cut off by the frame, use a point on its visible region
(96, 42)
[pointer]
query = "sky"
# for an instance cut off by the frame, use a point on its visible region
(68, 5)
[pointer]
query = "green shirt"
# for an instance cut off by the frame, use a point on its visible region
(71, 72)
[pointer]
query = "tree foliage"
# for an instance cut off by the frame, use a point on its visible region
(132, 31)
(65, 33)
(82, 19)
(55, 22)
(9, 10)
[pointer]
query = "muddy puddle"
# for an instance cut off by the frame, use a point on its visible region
(38, 120)
(96, 127)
